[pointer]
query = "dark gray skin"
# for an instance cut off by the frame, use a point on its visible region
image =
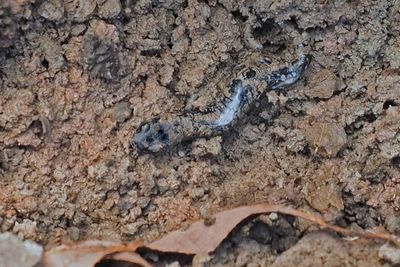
(245, 89)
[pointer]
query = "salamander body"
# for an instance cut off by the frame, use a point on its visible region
(245, 88)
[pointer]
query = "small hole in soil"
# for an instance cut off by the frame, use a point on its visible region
(396, 161)
(169, 43)
(370, 117)
(45, 63)
(389, 103)
(238, 15)
(293, 21)
(143, 78)
(124, 20)
(151, 53)
(265, 28)
(37, 127)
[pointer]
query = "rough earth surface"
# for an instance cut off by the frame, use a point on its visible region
(77, 78)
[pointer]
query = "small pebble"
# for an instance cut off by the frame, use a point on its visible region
(18, 253)
(322, 85)
(121, 112)
(326, 139)
(390, 254)
(74, 233)
(273, 216)
(110, 9)
(52, 10)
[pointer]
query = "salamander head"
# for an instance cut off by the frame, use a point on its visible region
(151, 136)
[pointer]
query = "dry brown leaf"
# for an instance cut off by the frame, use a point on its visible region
(203, 237)
(130, 257)
(88, 253)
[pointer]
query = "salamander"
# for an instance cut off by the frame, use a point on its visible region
(246, 86)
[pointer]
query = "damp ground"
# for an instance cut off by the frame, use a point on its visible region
(78, 78)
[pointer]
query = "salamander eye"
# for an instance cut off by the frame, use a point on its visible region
(161, 135)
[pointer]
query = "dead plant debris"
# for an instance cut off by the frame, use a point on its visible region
(199, 238)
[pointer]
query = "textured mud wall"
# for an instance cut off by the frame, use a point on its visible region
(77, 78)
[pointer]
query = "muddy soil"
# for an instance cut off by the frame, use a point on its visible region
(77, 79)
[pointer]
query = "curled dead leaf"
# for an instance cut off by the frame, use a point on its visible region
(89, 253)
(202, 238)
(131, 257)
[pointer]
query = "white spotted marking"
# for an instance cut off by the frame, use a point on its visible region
(229, 113)
(293, 75)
